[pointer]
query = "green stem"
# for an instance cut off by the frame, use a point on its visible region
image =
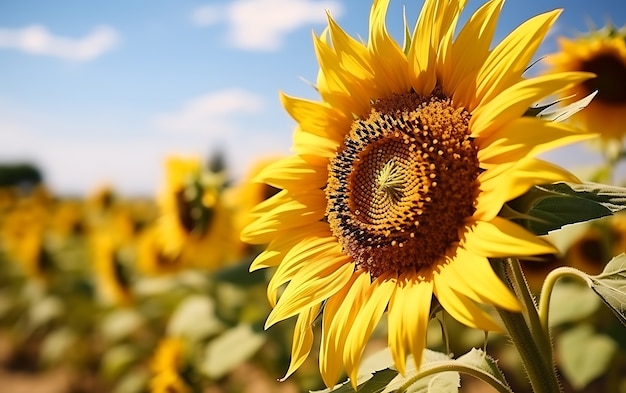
(461, 368)
(530, 345)
(548, 286)
(522, 290)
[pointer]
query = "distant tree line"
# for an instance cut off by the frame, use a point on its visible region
(19, 174)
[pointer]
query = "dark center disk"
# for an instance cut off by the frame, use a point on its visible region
(402, 183)
(610, 81)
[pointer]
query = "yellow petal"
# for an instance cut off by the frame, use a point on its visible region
(463, 309)
(506, 182)
(526, 137)
(469, 51)
(310, 145)
(408, 317)
(344, 89)
(506, 63)
(372, 309)
(301, 210)
(302, 340)
(318, 118)
(314, 283)
(513, 102)
(309, 250)
(472, 276)
(293, 173)
(388, 60)
(502, 238)
(352, 54)
(340, 312)
(276, 250)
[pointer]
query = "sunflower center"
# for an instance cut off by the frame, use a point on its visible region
(402, 183)
(611, 78)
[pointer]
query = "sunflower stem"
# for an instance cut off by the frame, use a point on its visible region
(522, 290)
(530, 344)
(548, 286)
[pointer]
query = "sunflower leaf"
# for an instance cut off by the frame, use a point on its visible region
(610, 285)
(477, 358)
(584, 355)
(550, 207)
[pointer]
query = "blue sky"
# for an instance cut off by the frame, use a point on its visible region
(100, 92)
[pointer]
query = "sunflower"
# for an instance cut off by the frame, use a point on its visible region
(602, 52)
(167, 364)
(151, 258)
(110, 268)
(399, 175)
(23, 237)
(195, 224)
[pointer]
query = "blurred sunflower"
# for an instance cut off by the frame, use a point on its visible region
(399, 174)
(167, 365)
(23, 235)
(111, 271)
(151, 258)
(195, 224)
(602, 52)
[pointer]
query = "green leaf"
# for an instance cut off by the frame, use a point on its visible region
(584, 355)
(195, 319)
(571, 302)
(610, 285)
(477, 358)
(229, 350)
(549, 207)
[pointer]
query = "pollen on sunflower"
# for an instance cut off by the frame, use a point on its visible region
(399, 173)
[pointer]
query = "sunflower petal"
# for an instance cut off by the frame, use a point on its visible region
(501, 238)
(408, 318)
(318, 118)
(293, 173)
(511, 143)
(388, 61)
(372, 309)
(513, 102)
(340, 312)
(308, 250)
(302, 340)
(506, 63)
(469, 51)
(461, 308)
(314, 283)
(300, 210)
(472, 276)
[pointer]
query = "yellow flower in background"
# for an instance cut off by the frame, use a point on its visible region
(195, 224)
(399, 174)
(23, 235)
(167, 364)
(602, 52)
(151, 259)
(110, 269)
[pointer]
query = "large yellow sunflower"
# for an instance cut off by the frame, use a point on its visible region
(399, 174)
(602, 52)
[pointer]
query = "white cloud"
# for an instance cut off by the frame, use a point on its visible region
(37, 40)
(212, 113)
(262, 24)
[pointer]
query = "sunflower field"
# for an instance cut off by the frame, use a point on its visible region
(415, 240)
